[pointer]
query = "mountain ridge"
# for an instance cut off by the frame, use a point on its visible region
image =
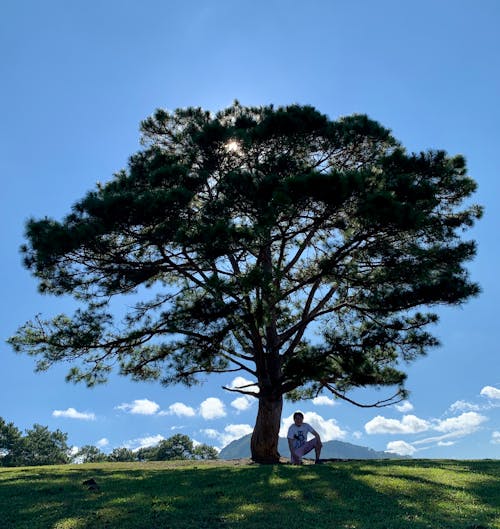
(240, 448)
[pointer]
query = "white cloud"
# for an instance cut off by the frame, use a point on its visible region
(439, 438)
(462, 405)
(490, 392)
(404, 407)
(102, 443)
(242, 403)
(71, 413)
(328, 429)
(409, 424)
(245, 401)
(212, 408)
(179, 409)
(144, 442)
(465, 424)
(401, 448)
(140, 407)
(323, 400)
(357, 435)
(235, 431)
(454, 428)
(495, 438)
(231, 433)
(451, 429)
(210, 432)
(173, 428)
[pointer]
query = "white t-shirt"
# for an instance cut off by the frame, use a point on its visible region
(299, 434)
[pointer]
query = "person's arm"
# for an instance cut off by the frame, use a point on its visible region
(316, 434)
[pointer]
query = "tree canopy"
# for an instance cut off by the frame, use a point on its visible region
(299, 251)
(178, 446)
(38, 446)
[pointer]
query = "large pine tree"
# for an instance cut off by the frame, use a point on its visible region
(299, 251)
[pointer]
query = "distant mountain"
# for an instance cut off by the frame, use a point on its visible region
(240, 449)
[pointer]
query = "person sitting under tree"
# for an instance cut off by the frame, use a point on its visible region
(297, 439)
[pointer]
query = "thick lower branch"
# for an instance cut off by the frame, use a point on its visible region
(243, 392)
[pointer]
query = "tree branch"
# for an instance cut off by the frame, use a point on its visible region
(235, 390)
(230, 357)
(379, 404)
(307, 317)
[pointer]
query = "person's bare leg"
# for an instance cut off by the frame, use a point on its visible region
(317, 450)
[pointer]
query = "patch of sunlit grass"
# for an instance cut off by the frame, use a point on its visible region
(70, 523)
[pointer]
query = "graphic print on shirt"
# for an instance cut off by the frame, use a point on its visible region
(300, 438)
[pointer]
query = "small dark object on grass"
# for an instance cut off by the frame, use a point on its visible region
(91, 484)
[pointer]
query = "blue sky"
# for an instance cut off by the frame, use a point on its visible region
(78, 77)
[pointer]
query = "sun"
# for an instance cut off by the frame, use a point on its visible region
(233, 146)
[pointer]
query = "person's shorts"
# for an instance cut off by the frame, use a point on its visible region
(303, 450)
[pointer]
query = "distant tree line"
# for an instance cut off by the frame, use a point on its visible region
(39, 446)
(176, 447)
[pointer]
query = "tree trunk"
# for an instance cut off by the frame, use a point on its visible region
(264, 443)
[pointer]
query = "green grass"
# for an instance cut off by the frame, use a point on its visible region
(207, 495)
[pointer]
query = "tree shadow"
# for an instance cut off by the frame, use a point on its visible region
(354, 495)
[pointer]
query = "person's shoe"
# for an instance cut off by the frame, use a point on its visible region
(318, 462)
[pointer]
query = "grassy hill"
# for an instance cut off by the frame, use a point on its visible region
(416, 494)
(240, 448)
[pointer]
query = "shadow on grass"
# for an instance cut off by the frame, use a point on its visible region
(354, 495)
